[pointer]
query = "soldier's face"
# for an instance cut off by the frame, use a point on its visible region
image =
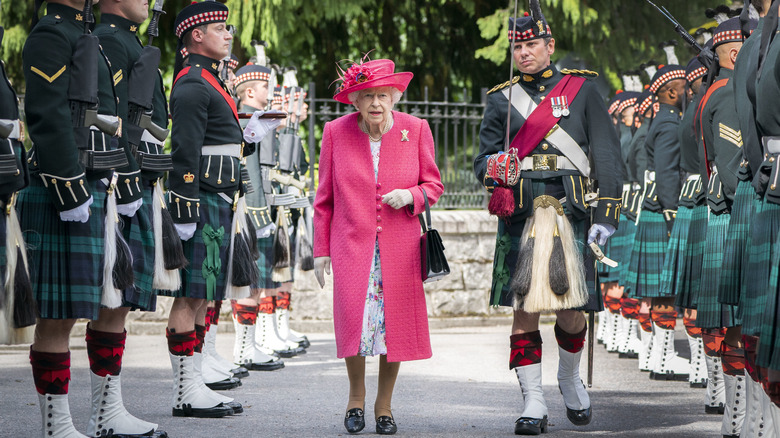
(260, 93)
(627, 116)
(533, 56)
(136, 11)
(215, 42)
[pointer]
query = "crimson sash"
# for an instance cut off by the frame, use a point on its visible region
(542, 120)
(214, 83)
(715, 86)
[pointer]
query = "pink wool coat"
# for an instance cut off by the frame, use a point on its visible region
(349, 216)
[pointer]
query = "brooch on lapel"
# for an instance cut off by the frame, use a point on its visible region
(404, 135)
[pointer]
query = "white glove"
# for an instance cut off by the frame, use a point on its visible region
(266, 231)
(321, 267)
(398, 198)
(600, 233)
(258, 128)
(186, 231)
(129, 209)
(78, 214)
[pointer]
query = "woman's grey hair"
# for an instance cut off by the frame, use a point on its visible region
(396, 95)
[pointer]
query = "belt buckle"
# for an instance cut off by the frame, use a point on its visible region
(545, 162)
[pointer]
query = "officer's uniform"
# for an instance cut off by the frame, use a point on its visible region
(547, 171)
(123, 48)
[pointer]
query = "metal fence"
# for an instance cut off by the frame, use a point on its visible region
(455, 129)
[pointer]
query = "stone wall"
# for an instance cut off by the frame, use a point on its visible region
(469, 239)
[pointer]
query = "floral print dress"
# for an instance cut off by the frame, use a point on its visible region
(372, 339)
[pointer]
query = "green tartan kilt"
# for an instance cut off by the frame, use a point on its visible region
(614, 249)
(689, 280)
(138, 232)
(768, 354)
(65, 258)
(265, 263)
(217, 213)
(735, 247)
(508, 248)
(625, 257)
(761, 252)
(647, 256)
(673, 262)
(710, 313)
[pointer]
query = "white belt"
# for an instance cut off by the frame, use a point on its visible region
(17, 131)
(149, 138)
(626, 187)
(649, 175)
(694, 178)
(534, 163)
(771, 144)
(230, 150)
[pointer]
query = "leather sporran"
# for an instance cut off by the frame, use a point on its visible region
(434, 263)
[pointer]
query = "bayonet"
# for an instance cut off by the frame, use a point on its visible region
(154, 24)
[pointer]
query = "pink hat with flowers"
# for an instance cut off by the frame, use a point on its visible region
(370, 74)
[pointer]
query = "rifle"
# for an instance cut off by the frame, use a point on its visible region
(142, 84)
(706, 56)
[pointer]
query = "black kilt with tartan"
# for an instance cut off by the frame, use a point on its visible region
(629, 235)
(735, 247)
(615, 250)
(675, 252)
(690, 276)
(218, 214)
(508, 247)
(711, 313)
(65, 258)
(768, 354)
(138, 232)
(761, 252)
(647, 256)
(265, 263)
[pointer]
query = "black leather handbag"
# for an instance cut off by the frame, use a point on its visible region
(434, 263)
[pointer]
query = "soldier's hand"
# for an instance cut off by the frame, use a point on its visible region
(398, 198)
(600, 233)
(258, 128)
(129, 209)
(321, 267)
(186, 231)
(78, 214)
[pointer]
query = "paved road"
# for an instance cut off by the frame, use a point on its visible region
(465, 390)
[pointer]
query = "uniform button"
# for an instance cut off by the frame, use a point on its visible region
(545, 146)
(378, 197)
(541, 88)
(378, 185)
(378, 218)
(378, 229)
(378, 207)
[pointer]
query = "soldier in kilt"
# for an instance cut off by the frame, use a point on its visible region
(735, 264)
(204, 190)
(531, 203)
(16, 302)
(71, 207)
(662, 188)
(766, 302)
(722, 146)
(252, 92)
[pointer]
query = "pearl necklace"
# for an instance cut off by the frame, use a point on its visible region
(388, 126)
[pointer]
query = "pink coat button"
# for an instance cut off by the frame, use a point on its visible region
(378, 185)
(378, 229)
(378, 197)
(378, 207)
(378, 218)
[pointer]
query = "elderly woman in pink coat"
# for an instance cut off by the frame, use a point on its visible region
(376, 167)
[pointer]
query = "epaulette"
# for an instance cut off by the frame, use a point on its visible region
(585, 73)
(504, 85)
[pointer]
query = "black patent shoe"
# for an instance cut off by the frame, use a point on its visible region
(714, 410)
(386, 425)
(354, 422)
(239, 372)
(235, 406)
(151, 434)
(579, 417)
(226, 384)
(217, 411)
(531, 426)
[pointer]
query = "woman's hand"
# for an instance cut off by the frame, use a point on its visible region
(321, 267)
(398, 198)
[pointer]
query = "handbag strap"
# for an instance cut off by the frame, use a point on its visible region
(425, 223)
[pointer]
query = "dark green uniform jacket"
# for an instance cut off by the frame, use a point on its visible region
(722, 139)
(55, 154)
(663, 158)
(123, 48)
(13, 158)
(744, 84)
(637, 155)
(202, 117)
(588, 124)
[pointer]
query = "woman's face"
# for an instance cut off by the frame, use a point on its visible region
(374, 104)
